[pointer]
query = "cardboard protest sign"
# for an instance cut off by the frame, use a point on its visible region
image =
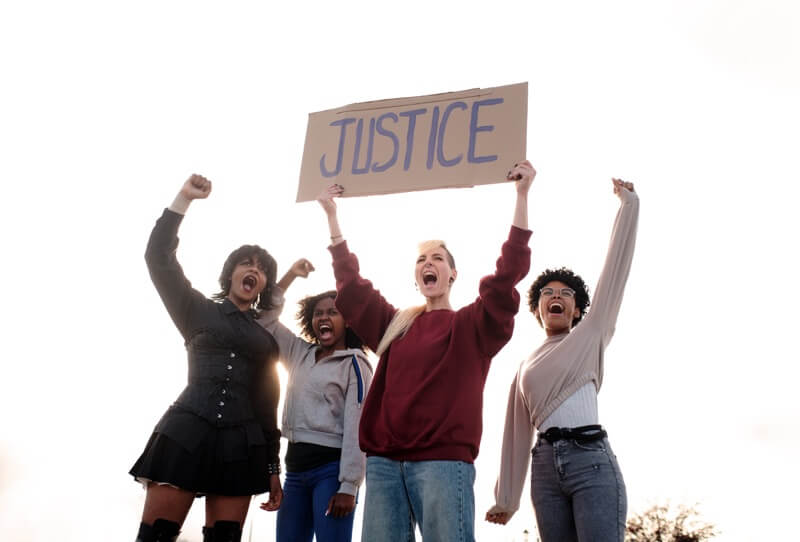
(453, 139)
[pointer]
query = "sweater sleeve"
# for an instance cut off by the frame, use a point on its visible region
(353, 465)
(293, 349)
(611, 284)
(498, 300)
(515, 454)
(363, 307)
(176, 292)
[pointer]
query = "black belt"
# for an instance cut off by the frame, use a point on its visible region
(585, 433)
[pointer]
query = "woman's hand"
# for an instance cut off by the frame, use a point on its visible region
(325, 198)
(523, 173)
(301, 268)
(275, 494)
(341, 505)
(501, 518)
(196, 187)
(620, 185)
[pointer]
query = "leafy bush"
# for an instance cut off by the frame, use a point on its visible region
(660, 524)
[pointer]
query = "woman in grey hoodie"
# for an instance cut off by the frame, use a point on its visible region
(328, 378)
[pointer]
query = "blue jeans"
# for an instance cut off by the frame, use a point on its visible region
(578, 492)
(436, 495)
(305, 499)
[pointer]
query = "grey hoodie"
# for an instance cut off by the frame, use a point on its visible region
(323, 398)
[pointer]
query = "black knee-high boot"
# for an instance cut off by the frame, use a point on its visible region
(223, 531)
(162, 530)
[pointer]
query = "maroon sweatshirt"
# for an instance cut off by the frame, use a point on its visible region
(426, 398)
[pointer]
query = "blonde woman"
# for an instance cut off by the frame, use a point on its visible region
(421, 421)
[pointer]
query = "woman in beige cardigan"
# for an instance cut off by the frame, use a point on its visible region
(576, 485)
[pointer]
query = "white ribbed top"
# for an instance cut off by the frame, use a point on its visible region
(577, 410)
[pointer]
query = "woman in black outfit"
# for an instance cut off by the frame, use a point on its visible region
(220, 438)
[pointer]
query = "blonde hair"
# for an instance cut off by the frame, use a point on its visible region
(425, 246)
(400, 323)
(403, 319)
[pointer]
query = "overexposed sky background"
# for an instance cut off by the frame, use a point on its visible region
(106, 107)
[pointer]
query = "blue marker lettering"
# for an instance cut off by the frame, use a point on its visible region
(474, 129)
(442, 127)
(391, 135)
(412, 120)
(325, 173)
(357, 170)
(432, 137)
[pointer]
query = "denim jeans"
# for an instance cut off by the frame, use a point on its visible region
(436, 495)
(305, 499)
(578, 492)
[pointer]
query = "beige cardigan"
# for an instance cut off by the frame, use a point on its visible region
(564, 363)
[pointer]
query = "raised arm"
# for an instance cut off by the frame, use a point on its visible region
(363, 307)
(325, 199)
(293, 349)
(523, 173)
(611, 284)
(498, 300)
(173, 287)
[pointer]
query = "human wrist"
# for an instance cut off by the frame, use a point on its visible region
(180, 204)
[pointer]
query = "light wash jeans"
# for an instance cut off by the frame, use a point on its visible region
(436, 495)
(305, 499)
(578, 492)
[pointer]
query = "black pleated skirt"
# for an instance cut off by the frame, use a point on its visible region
(188, 452)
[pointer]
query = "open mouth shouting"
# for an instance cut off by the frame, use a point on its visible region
(325, 331)
(429, 278)
(556, 307)
(249, 283)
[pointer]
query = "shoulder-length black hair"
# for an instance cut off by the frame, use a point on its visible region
(264, 300)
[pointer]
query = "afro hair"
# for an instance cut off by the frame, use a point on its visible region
(568, 277)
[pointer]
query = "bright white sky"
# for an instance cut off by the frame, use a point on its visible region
(105, 108)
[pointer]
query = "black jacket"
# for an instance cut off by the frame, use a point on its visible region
(232, 380)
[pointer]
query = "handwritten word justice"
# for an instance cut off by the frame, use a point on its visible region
(383, 126)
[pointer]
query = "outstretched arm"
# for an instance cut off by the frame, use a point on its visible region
(498, 300)
(325, 199)
(523, 173)
(175, 290)
(363, 307)
(611, 284)
(293, 349)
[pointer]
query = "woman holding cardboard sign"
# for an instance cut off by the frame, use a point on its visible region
(421, 423)
(577, 488)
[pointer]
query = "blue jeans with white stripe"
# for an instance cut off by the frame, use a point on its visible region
(578, 492)
(437, 496)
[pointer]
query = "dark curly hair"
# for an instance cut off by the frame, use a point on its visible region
(568, 277)
(264, 300)
(305, 313)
